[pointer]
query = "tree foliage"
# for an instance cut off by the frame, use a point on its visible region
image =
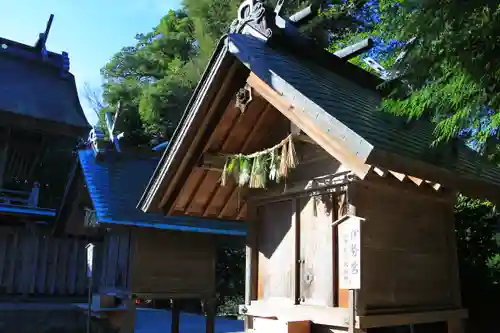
(450, 75)
(148, 79)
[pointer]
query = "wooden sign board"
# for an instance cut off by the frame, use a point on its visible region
(349, 238)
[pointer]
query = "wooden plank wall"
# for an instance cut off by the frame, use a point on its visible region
(173, 263)
(40, 264)
(408, 253)
(112, 262)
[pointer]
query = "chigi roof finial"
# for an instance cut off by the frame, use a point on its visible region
(97, 138)
(111, 124)
(42, 37)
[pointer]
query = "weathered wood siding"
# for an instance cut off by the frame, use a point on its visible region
(172, 263)
(111, 262)
(408, 250)
(39, 264)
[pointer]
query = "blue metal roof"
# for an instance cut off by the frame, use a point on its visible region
(115, 185)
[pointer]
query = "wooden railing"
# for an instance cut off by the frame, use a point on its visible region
(20, 198)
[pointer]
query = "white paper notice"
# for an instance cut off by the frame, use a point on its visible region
(349, 233)
(90, 257)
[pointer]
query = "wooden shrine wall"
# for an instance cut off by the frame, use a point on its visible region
(172, 264)
(39, 264)
(408, 253)
(111, 263)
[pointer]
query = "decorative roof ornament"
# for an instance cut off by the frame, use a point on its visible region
(97, 139)
(252, 19)
(391, 74)
(42, 38)
(110, 124)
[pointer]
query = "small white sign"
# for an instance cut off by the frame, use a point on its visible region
(349, 237)
(90, 258)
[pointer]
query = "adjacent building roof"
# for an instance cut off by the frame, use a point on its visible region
(331, 96)
(39, 87)
(115, 184)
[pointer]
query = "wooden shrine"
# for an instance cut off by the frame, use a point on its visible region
(41, 120)
(363, 201)
(143, 255)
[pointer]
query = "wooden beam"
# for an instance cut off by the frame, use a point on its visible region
(216, 161)
(470, 185)
(337, 316)
(416, 180)
(191, 146)
(354, 50)
(304, 138)
(397, 175)
(333, 146)
(380, 172)
(435, 186)
(303, 188)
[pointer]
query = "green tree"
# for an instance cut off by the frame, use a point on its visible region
(147, 79)
(450, 75)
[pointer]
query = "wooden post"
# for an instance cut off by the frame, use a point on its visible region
(248, 279)
(124, 321)
(352, 310)
(209, 307)
(4, 150)
(176, 312)
(456, 326)
(251, 264)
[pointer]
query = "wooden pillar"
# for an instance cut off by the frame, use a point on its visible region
(176, 313)
(129, 322)
(4, 149)
(124, 320)
(456, 326)
(209, 307)
(251, 264)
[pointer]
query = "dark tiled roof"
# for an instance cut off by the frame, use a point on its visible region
(38, 89)
(354, 109)
(115, 185)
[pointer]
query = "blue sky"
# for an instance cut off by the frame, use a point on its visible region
(91, 31)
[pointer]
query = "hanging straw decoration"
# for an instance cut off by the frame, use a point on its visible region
(255, 169)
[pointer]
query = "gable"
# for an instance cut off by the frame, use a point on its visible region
(335, 112)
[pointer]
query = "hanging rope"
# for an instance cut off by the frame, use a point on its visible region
(254, 169)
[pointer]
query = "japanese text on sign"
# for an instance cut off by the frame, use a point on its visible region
(349, 237)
